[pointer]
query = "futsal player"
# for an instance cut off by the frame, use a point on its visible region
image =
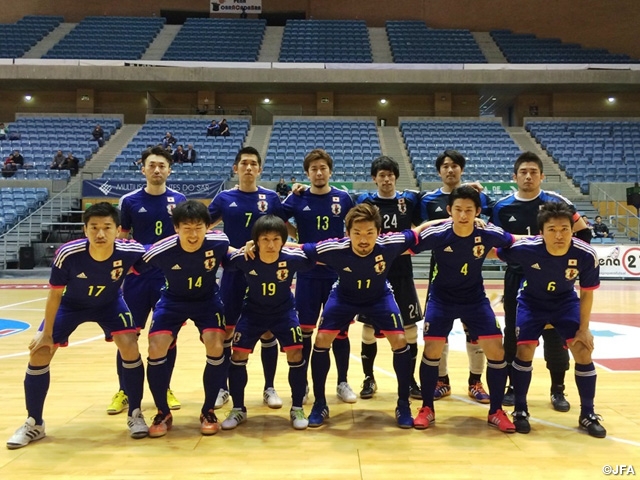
(85, 282)
(319, 213)
(268, 307)
(551, 263)
(189, 261)
(239, 209)
(456, 290)
(398, 211)
(146, 217)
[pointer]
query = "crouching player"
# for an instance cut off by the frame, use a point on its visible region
(268, 307)
(457, 291)
(552, 261)
(189, 261)
(85, 281)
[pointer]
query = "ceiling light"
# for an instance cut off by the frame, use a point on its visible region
(383, 101)
(611, 99)
(28, 98)
(266, 100)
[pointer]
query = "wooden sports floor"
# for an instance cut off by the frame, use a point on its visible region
(359, 441)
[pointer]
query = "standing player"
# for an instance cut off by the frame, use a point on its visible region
(189, 261)
(239, 209)
(433, 206)
(456, 291)
(146, 217)
(268, 306)
(319, 214)
(85, 282)
(362, 261)
(397, 210)
(518, 214)
(551, 263)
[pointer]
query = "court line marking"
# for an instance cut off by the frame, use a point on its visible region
(535, 420)
(71, 344)
(11, 305)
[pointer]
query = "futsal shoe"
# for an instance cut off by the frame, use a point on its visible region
(344, 392)
(299, 420)
(318, 414)
(478, 393)
(223, 397)
(424, 419)
(521, 421)
(137, 426)
(442, 390)
(591, 423)
(501, 421)
(161, 425)
(172, 401)
(27, 433)
(236, 417)
(403, 414)
(209, 423)
(119, 402)
(369, 387)
(271, 398)
(558, 399)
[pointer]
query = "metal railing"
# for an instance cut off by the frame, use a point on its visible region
(622, 218)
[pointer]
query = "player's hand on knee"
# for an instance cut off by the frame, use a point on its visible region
(585, 337)
(40, 340)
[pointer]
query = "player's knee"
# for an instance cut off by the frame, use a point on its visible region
(368, 334)
(41, 357)
(411, 333)
(525, 351)
(324, 339)
(294, 356)
(581, 354)
(493, 349)
(158, 345)
(238, 356)
(397, 341)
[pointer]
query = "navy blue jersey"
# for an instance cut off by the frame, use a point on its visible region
(548, 279)
(148, 217)
(89, 283)
(433, 205)
(457, 275)
(398, 213)
(240, 210)
(361, 280)
(269, 284)
(520, 216)
(189, 275)
(318, 217)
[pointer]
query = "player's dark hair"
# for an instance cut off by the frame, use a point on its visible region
(385, 163)
(465, 192)
(551, 210)
(455, 156)
(269, 224)
(317, 154)
(247, 151)
(527, 157)
(158, 150)
(101, 209)
(190, 211)
(364, 212)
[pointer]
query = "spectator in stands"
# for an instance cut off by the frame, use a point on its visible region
(168, 141)
(179, 156)
(589, 224)
(17, 158)
(191, 154)
(224, 128)
(71, 163)
(58, 161)
(9, 168)
(98, 135)
(213, 130)
(282, 189)
(4, 132)
(600, 230)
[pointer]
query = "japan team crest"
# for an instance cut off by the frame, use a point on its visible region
(263, 205)
(336, 209)
(282, 274)
(571, 273)
(116, 273)
(380, 267)
(209, 264)
(478, 251)
(402, 206)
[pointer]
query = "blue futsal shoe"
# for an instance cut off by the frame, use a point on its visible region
(403, 414)
(318, 413)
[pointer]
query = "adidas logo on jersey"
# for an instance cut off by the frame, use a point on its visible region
(142, 210)
(346, 269)
(176, 267)
(253, 272)
(449, 250)
(439, 209)
(81, 275)
(536, 266)
(306, 209)
(233, 204)
(512, 219)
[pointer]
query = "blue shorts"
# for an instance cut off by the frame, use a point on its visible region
(169, 315)
(311, 295)
(233, 287)
(251, 326)
(478, 317)
(383, 315)
(114, 319)
(531, 322)
(142, 292)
